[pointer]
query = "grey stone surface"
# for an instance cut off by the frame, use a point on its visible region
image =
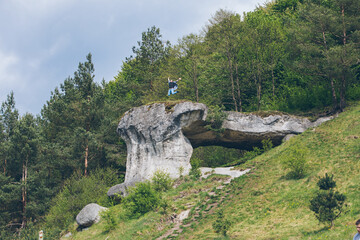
(287, 137)
(89, 215)
(159, 137)
(155, 141)
(120, 189)
(245, 131)
(229, 171)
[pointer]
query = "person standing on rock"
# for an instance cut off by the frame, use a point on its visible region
(172, 86)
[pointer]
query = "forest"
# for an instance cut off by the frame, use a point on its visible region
(296, 56)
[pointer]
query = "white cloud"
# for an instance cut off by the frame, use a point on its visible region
(8, 64)
(44, 40)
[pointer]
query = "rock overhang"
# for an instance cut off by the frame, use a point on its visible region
(159, 137)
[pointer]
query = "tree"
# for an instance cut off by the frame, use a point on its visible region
(346, 54)
(9, 117)
(191, 48)
(262, 48)
(25, 147)
(91, 102)
(150, 54)
(10, 193)
(328, 204)
(221, 224)
(326, 36)
(221, 35)
(72, 118)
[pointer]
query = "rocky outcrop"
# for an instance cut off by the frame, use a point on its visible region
(245, 131)
(161, 137)
(155, 141)
(89, 215)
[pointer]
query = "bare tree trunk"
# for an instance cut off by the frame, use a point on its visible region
(333, 91)
(86, 157)
(343, 75)
(232, 80)
(259, 96)
(343, 22)
(23, 193)
(238, 87)
(342, 91)
(258, 90)
(195, 83)
(5, 163)
(87, 140)
(273, 80)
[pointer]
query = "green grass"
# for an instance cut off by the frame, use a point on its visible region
(265, 204)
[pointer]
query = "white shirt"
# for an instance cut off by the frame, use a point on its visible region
(357, 236)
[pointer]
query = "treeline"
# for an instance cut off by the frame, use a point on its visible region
(288, 55)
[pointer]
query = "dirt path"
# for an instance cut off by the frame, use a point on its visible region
(215, 196)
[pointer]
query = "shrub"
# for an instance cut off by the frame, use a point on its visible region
(327, 182)
(216, 156)
(109, 219)
(195, 168)
(221, 224)
(215, 118)
(294, 160)
(267, 144)
(141, 199)
(327, 204)
(78, 191)
(161, 181)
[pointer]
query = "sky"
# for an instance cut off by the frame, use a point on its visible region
(43, 41)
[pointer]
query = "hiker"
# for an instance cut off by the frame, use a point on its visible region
(172, 86)
(357, 235)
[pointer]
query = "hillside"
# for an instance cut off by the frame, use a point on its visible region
(263, 204)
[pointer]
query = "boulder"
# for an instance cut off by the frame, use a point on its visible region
(120, 190)
(89, 215)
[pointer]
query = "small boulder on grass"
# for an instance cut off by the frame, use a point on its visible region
(89, 215)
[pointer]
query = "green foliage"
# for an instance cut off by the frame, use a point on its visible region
(215, 118)
(221, 224)
(327, 182)
(78, 191)
(328, 204)
(294, 159)
(141, 199)
(161, 181)
(195, 168)
(216, 156)
(266, 144)
(248, 155)
(289, 55)
(109, 219)
(181, 171)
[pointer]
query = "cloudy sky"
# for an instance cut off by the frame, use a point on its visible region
(43, 41)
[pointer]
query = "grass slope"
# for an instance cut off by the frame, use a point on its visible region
(264, 204)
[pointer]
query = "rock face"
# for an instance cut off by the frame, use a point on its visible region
(159, 137)
(89, 215)
(245, 131)
(155, 141)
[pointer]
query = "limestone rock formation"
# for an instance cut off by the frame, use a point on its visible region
(159, 137)
(245, 131)
(155, 141)
(89, 215)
